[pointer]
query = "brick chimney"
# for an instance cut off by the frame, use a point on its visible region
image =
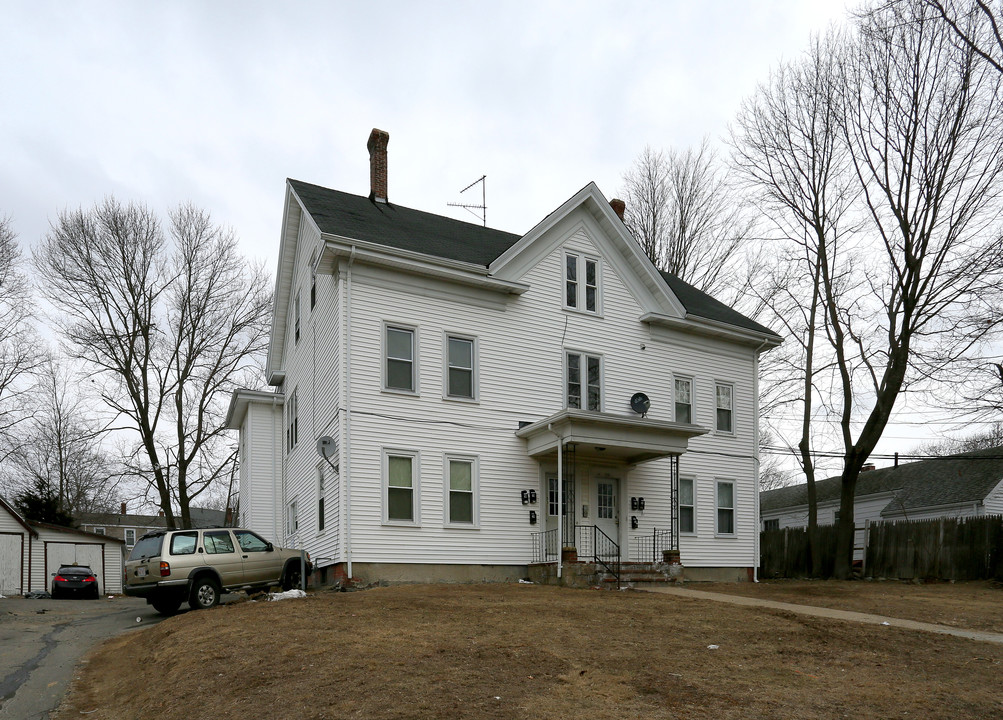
(619, 207)
(378, 140)
(123, 509)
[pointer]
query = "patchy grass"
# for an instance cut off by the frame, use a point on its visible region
(970, 605)
(523, 651)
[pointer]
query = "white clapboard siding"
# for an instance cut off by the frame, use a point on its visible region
(520, 348)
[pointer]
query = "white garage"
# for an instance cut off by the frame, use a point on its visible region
(15, 535)
(31, 552)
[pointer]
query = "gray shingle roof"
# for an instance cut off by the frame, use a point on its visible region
(703, 305)
(201, 517)
(359, 218)
(967, 477)
(827, 490)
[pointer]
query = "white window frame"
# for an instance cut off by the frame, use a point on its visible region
(292, 518)
(771, 524)
(474, 462)
(126, 533)
(675, 395)
(717, 423)
(552, 495)
(400, 327)
(718, 509)
(446, 367)
(693, 507)
(292, 421)
(583, 358)
(98, 531)
(415, 457)
(321, 500)
(297, 318)
(582, 259)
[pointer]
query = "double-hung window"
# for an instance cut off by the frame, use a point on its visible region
(725, 408)
(297, 317)
(461, 495)
(399, 366)
(292, 519)
(400, 480)
(584, 381)
(687, 506)
(725, 507)
(292, 421)
(684, 400)
(320, 500)
(581, 282)
(130, 537)
(460, 371)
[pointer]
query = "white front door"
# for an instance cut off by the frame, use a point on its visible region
(607, 511)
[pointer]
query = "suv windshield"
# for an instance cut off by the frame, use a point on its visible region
(148, 546)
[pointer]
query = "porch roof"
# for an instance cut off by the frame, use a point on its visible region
(606, 436)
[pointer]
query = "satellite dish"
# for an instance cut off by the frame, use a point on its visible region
(640, 403)
(327, 447)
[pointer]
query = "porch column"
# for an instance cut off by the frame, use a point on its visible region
(560, 504)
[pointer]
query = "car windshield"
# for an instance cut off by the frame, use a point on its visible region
(146, 547)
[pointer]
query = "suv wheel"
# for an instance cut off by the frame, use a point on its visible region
(205, 594)
(292, 577)
(167, 606)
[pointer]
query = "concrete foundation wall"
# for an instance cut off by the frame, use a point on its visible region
(721, 574)
(367, 573)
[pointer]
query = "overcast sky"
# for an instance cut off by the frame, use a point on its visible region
(219, 102)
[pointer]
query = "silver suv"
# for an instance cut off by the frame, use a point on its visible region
(169, 567)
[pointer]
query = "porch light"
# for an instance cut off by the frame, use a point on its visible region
(532, 517)
(633, 522)
(532, 497)
(525, 497)
(640, 504)
(633, 503)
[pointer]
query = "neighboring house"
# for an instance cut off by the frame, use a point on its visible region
(128, 527)
(965, 485)
(31, 552)
(433, 380)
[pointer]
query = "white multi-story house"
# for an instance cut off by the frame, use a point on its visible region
(434, 379)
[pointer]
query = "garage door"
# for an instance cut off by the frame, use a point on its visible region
(60, 553)
(11, 577)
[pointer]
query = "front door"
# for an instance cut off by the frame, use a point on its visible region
(607, 511)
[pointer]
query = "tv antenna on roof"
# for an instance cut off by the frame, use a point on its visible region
(483, 207)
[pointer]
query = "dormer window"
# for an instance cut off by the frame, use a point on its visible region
(581, 282)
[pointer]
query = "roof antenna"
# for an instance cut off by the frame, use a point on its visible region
(483, 207)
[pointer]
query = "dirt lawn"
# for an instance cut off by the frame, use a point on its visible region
(526, 651)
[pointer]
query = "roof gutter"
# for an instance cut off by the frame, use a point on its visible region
(420, 264)
(713, 328)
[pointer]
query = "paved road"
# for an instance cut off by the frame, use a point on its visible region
(43, 640)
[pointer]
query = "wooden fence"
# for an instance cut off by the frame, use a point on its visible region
(944, 549)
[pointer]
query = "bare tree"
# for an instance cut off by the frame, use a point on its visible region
(169, 326)
(61, 449)
(682, 211)
(992, 437)
(19, 354)
(976, 23)
(788, 149)
(914, 287)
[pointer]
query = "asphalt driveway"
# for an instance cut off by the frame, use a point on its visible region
(43, 640)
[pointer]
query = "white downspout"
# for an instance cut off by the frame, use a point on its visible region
(560, 500)
(755, 455)
(347, 353)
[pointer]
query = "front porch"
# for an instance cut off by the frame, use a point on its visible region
(601, 513)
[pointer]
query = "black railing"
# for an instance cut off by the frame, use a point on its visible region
(604, 550)
(649, 547)
(545, 546)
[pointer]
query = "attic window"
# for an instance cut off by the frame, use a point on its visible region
(581, 282)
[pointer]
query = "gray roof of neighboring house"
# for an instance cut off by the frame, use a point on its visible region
(869, 483)
(955, 479)
(201, 517)
(357, 217)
